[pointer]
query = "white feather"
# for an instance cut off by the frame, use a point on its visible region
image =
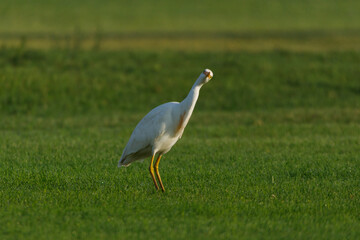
(162, 127)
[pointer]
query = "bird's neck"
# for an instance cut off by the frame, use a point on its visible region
(188, 104)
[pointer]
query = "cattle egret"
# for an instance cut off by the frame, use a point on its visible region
(161, 128)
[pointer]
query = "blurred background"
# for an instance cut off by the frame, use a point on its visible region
(95, 56)
(186, 25)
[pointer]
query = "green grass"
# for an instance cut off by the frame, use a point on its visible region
(231, 25)
(21, 16)
(272, 151)
(76, 82)
(282, 174)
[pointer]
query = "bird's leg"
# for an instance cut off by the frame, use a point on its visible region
(151, 168)
(157, 172)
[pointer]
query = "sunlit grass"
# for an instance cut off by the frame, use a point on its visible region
(283, 173)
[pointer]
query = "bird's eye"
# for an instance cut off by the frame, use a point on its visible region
(207, 74)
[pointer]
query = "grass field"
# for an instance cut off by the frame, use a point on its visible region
(77, 82)
(232, 25)
(285, 174)
(22, 16)
(272, 150)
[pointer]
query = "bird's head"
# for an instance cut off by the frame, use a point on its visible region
(206, 75)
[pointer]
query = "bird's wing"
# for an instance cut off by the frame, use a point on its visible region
(153, 125)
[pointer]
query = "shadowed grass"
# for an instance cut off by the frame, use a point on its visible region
(320, 25)
(69, 82)
(309, 41)
(149, 16)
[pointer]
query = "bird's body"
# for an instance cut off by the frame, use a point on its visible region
(161, 128)
(155, 133)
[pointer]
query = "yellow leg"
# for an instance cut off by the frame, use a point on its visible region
(151, 168)
(158, 174)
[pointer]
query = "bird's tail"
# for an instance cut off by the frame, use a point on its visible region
(122, 163)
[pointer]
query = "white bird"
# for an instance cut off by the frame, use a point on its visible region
(161, 128)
